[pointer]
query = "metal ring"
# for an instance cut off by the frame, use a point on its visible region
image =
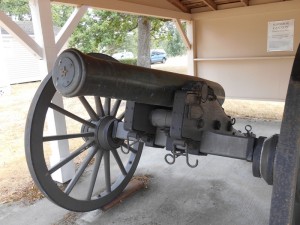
(248, 128)
(233, 121)
(170, 162)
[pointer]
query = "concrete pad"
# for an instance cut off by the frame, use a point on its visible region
(219, 191)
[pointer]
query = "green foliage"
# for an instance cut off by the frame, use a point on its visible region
(175, 46)
(171, 42)
(103, 31)
(60, 14)
(18, 9)
(129, 61)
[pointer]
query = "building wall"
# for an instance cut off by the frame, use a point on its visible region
(21, 65)
(232, 50)
(4, 82)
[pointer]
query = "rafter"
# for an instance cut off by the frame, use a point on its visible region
(69, 27)
(130, 7)
(182, 33)
(211, 4)
(245, 2)
(180, 6)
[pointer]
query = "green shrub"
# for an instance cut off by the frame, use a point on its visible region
(129, 61)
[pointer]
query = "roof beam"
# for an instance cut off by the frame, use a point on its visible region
(69, 27)
(245, 2)
(182, 33)
(17, 32)
(262, 9)
(132, 8)
(211, 4)
(180, 6)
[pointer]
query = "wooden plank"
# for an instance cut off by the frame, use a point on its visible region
(192, 52)
(132, 8)
(246, 58)
(211, 4)
(278, 7)
(69, 27)
(180, 6)
(133, 186)
(245, 2)
(182, 34)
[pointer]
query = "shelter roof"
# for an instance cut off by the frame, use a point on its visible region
(181, 9)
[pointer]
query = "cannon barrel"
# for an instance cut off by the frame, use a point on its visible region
(77, 74)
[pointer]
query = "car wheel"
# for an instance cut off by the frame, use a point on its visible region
(164, 60)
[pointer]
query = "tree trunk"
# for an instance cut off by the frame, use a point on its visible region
(143, 58)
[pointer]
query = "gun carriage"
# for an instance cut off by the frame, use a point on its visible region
(180, 113)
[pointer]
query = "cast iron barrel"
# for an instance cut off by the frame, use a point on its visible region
(78, 74)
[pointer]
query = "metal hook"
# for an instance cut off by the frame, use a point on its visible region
(125, 152)
(128, 147)
(179, 152)
(168, 156)
(233, 120)
(187, 160)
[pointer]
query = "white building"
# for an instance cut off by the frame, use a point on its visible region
(18, 64)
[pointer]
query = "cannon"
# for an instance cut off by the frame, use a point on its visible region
(125, 107)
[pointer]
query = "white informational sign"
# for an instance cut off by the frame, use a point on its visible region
(281, 35)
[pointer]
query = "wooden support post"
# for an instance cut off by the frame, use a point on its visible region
(45, 48)
(191, 53)
(44, 34)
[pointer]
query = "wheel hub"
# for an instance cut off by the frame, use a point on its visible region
(104, 133)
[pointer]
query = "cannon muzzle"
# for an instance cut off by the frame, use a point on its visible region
(77, 74)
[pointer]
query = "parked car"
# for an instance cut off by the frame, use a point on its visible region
(158, 55)
(123, 55)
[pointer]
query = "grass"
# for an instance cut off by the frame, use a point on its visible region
(15, 181)
(14, 174)
(254, 109)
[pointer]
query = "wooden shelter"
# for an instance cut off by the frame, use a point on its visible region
(232, 42)
(227, 40)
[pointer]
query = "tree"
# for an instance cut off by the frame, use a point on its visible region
(143, 58)
(18, 9)
(103, 31)
(60, 14)
(107, 32)
(170, 41)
